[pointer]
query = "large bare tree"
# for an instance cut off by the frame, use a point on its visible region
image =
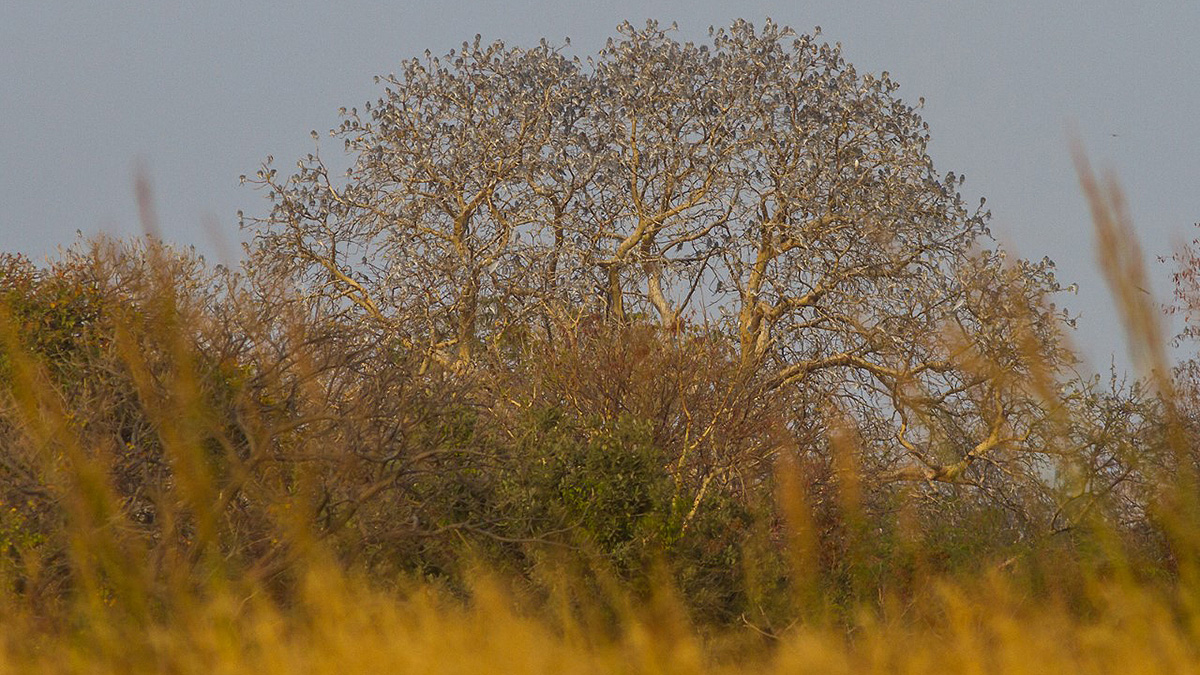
(756, 185)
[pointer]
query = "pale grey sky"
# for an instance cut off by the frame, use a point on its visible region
(200, 93)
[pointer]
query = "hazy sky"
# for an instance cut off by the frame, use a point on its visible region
(200, 94)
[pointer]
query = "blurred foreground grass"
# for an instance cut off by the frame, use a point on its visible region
(340, 627)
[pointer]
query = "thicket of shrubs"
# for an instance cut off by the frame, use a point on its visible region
(160, 429)
(151, 397)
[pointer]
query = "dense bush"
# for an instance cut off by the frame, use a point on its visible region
(146, 393)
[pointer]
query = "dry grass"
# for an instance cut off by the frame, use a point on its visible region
(342, 628)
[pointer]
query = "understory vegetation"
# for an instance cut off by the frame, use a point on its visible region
(686, 362)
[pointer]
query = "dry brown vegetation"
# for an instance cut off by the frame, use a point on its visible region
(686, 362)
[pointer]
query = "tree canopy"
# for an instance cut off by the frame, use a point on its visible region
(755, 189)
(756, 186)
